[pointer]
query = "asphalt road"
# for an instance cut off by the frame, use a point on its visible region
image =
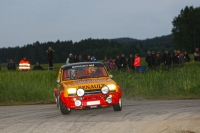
(159, 116)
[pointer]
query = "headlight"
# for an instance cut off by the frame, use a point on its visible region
(71, 90)
(104, 89)
(112, 87)
(80, 92)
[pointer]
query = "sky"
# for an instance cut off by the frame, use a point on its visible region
(24, 22)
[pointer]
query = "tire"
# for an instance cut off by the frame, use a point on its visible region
(118, 106)
(63, 109)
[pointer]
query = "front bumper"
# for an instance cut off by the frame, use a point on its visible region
(93, 100)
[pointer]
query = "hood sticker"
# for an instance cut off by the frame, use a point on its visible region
(92, 81)
(91, 87)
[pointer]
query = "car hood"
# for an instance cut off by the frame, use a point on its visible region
(88, 84)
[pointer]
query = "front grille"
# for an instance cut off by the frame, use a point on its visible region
(91, 97)
(88, 92)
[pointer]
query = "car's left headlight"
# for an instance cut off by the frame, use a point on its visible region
(112, 87)
(71, 90)
(104, 89)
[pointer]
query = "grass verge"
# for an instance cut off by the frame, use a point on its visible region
(37, 86)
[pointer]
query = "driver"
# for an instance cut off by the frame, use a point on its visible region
(72, 74)
(94, 72)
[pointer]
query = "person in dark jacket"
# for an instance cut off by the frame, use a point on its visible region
(175, 58)
(38, 67)
(186, 57)
(148, 60)
(70, 59)
(76, 59)
(167, 59)
(11, 65)
(106, 63)
(181, 59)
(157, 61)
(153, 58)
(50, 54)
(130, 63)
(123, 62)
(117, 62)
(80, 59)
(88, 59)
(196, 55)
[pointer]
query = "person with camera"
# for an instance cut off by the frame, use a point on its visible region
(11, 65)
(50, 55)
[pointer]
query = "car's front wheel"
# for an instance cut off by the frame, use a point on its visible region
(118, 106)
(64, 110)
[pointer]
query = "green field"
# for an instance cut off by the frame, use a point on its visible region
(37, 86)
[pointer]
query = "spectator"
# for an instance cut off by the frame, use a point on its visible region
(70, 59)
(157, 61)
(75, 59)
(148, 59)
(93, 59)
(186, 57)
(117, 62)
(80, 59)
(137, 63)
(24, 64)
(88, 59)
(181, 59)
(153, 58)
(106, 63)
(111, 63)
(38, 67)
(196, 55)
(123, 62)
(11, 65)
(130, 62)
(167, 59)
(175, 58)
(50, 54)
(178, 52)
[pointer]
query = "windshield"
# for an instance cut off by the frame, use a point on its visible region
(84, 72)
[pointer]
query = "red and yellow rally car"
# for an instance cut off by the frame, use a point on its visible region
(86, 85)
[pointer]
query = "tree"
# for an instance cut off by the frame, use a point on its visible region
(186, 29)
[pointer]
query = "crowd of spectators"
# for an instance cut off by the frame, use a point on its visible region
(152, 59)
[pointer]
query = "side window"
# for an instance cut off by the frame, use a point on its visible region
(65, 74)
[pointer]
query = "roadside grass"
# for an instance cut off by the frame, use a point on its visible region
(32, 87)
(177, 83)
(27, 87)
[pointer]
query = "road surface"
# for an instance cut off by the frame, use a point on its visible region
(157, 116)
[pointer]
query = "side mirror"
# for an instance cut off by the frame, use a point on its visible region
(111, 76)
(58, 81)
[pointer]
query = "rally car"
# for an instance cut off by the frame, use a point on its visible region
(86, 85)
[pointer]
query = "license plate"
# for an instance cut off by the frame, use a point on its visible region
(93, 103)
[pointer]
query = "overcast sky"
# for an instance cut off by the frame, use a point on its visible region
(27, 21)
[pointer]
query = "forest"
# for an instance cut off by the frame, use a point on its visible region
(94, 47)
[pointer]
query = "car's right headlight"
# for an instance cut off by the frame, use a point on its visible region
(80, 92)
(112, 87)
(71, 90)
